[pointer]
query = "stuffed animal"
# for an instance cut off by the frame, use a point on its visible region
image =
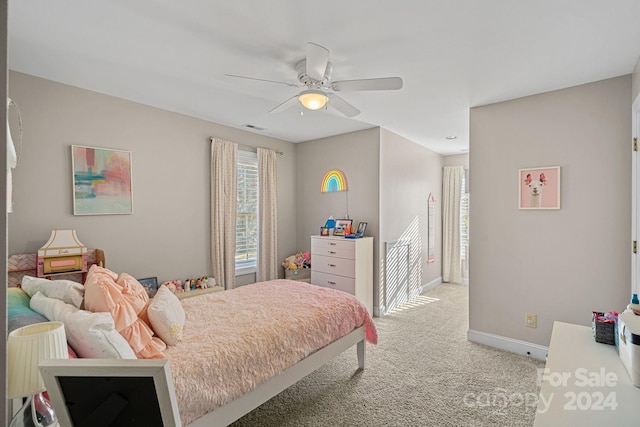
(201, 283)
(290, 262)
(297, 261)
(179, 287)
(171, 285)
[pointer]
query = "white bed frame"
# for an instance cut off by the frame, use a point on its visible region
(241, 406)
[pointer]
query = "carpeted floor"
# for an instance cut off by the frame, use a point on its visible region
(423, 372)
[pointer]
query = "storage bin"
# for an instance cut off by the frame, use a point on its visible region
(604, 332)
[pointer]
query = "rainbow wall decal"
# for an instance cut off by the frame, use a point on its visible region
(334, 180)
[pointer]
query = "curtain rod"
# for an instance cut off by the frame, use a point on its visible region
(249, 148)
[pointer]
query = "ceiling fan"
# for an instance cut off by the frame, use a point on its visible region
(314, 73)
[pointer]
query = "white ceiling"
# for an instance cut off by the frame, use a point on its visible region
(452, 55)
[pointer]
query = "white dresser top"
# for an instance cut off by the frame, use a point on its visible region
(594, 373)
(340, 238)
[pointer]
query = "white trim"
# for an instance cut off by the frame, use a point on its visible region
(635, 114)
(249, 269)
(432, 284)
(508, 344)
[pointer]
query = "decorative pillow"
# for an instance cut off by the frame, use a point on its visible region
(92, 335)
(135, 294)
(166, 316)
(125, 298)
(65, 290)
(20, 314)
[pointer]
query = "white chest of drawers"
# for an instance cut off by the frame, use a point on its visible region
(344, 264)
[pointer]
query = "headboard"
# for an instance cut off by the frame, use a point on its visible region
(20, 265)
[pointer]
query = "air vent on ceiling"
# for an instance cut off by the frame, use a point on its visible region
(254, 127)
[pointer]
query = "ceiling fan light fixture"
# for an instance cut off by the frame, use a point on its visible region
(313, 99)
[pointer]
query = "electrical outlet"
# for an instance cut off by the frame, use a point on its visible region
(530, 320)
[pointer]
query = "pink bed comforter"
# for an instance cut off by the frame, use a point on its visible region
(235, 340)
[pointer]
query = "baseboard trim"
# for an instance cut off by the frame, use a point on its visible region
(430, 285)
(378, 310)
(508, 344)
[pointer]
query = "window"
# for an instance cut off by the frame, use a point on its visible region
(464, 218)
(247, 213)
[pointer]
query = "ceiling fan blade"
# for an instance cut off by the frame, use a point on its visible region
(383, 83)
(262, 80)
(317, 59)
(285, 105)
(343, 106)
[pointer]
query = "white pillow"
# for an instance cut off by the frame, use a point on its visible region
(65, 290)
(91, 335)
(166, 316)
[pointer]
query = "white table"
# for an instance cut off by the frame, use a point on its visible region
(585, 383)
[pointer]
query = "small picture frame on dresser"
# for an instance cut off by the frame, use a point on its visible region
(324, 231)
(341, 226)
(150, 284)
(362, 226)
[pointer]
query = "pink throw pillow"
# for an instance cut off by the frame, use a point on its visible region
(126, 299)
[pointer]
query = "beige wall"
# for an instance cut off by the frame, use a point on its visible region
(168, 234)
(457, 160)
(389, 180)
(559, 264)
(635, 81)
(408, 173)
(357, 155)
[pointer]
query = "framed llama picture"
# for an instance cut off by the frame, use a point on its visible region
(539, 188)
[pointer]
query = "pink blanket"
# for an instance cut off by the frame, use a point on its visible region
(235, 340)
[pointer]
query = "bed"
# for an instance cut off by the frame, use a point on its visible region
(251, 343)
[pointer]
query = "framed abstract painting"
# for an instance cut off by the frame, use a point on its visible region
(101, 181)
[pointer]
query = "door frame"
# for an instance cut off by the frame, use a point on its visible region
(635, 193)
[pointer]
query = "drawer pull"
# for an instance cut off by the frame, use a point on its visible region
(332, 244)
(330, 282)
(331, 265)
(332, 252)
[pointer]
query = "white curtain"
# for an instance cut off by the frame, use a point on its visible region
(223, 211)
(267, 215)
(452, 190)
